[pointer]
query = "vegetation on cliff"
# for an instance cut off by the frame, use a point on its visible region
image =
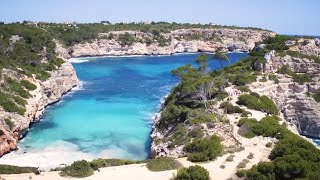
(23, 50)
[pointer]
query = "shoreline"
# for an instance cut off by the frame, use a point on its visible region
(148, 55)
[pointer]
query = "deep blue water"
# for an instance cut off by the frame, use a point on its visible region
(110, 115)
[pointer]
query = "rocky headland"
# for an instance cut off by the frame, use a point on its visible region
(178, 41)
(47, 92)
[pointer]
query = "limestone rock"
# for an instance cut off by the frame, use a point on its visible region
(61, 81)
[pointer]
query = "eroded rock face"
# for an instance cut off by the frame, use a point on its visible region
(292, 98)
(229, 40)
(311, 47)
(47, 92)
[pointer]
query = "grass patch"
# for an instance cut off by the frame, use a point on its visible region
(7, 169)
(163, 164)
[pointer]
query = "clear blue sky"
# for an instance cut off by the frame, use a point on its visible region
(282, 16)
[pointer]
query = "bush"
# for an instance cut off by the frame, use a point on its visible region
(231, 109)
(250, 156)
(241, 173)
(262, 103)
(196, 132)
(274, 78)
(269, 144)
(28, 85)
(243, 163)
(299, 78)
(192, 173)
(179, 136)
(14, 86)
(244, 89)
(243, 79)
(245, 114)
(267, 127)
(230, 158)
(316, 95)
(204, 149)
(10, 123)
(126, 39)
(7, 169)
(163, 164)
(100, 163)
(6, 101)
(79, 169)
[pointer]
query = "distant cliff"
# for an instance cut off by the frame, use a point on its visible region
(118, 43)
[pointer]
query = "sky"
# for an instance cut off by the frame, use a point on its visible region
(294, 17)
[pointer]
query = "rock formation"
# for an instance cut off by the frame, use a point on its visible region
(292, 98)
(61, 81)
(210, 40)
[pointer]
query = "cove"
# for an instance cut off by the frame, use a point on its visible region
(109, 115)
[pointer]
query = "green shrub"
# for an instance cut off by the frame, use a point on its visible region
(230, 158)
(28, 85)
(126, 39)
(204, 149)
(269, 144)
(301, 55)
(19, 100)
(192, 173)
(285, 69)
(262, 103)
(243, 163)
(316, 95)
(179, 136)
(243, 79)
(267, 127)
(274, 78)
(163, 164)
(10, 123)
(231, 109)
(196, 132)
(244, 89)
(79, 169)
(241, 173)
(8, 105)
(245, 114)
(198, 116)
(100, 163)
(7, 169)
(14, 86)
(299, 78)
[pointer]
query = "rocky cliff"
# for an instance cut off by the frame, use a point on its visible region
(178, 41)
(292, 98)
(47, 92)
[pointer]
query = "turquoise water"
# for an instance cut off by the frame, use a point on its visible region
(110, 114)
